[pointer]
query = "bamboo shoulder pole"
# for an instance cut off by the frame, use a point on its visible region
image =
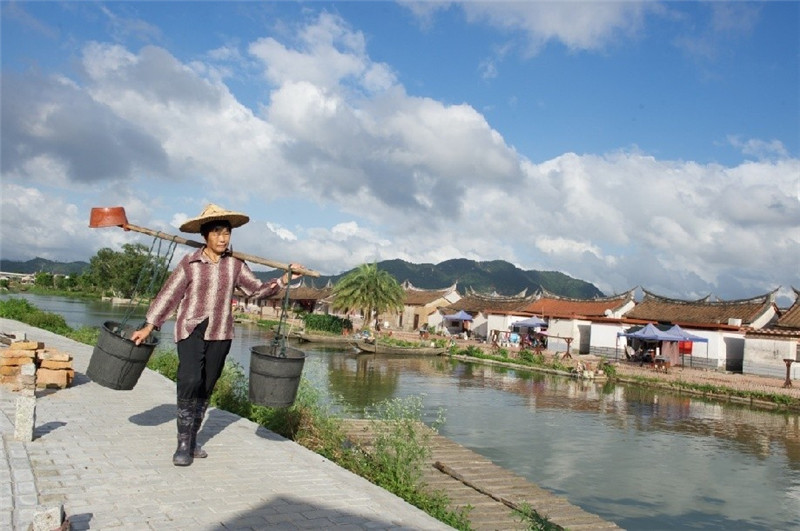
(241, 256)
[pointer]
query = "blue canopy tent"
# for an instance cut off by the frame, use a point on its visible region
(463, 319)
(461, 315)
(651, 333)
(684, 335)
(530, 322)
(676, 330)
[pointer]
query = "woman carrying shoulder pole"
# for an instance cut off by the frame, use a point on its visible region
(200, 290)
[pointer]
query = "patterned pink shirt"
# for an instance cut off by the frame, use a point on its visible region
(200, 289)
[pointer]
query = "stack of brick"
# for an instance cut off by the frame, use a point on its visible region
(13, 358)
(53, 368)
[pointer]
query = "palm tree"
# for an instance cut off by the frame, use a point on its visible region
(370, 289)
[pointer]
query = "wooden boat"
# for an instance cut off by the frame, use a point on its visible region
(321, 338)
(394, 350)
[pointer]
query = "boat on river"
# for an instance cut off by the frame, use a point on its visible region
(396, 350)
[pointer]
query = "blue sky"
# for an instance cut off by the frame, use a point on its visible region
(624, 143)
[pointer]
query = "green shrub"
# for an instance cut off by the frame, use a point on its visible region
(164, 362)
(473, 351)
(17, 309)
(327, 323)
(400, 450)
(49, 321)
(269, 324)
(85, 334)
(609, 369)
(24, 311)
(534, 520)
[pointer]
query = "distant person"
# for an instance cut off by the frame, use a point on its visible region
(200, 289)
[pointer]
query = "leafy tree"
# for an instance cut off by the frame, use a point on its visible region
(119, 272)
(368, 288)
(64, 282)
(84, 281)
(43, 279)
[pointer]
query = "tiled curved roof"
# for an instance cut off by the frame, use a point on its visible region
(474, 302)
(304, 292)
(791, 317)
(421, 297)
(551, 305)
(656, 308)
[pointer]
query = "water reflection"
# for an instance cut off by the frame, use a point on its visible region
(645, 459)
(358, 381)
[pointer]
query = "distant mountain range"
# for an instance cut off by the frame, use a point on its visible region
(496, 276)
(38, 265)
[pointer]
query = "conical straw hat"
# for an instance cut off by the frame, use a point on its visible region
(214, 213)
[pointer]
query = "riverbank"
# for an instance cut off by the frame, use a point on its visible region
(761, 392)
(105, 456)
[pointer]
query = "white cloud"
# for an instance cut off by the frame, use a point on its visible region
(577, 25)
(36, 224)
(410, 177)
(281, 232)
(329, 54)
(760, 149)
(126, 26)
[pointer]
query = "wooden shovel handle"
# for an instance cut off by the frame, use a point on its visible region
(241, 256)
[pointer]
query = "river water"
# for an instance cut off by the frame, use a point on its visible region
(641, 458)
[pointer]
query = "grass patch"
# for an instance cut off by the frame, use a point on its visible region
(397, 342)
(535, 521)
(526, 358)
(25, 312)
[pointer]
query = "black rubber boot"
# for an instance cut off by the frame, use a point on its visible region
(186, 411)
(199, 414)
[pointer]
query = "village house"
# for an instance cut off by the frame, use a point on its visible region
(767, 349)
(723, 323)
(492, 315)
(420, 306)
(747, 335)
(582, 325)
(302, 296)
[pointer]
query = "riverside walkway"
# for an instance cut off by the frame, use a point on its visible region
(106, 456)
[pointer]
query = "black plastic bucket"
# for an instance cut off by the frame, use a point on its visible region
(118, 362)
(274, 379)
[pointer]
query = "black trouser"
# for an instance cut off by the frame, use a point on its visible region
(200, 363)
